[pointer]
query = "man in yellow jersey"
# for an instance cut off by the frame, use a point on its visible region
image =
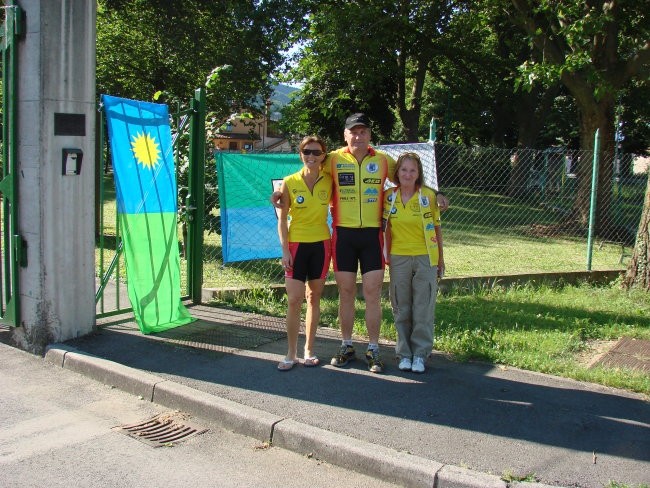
(359, 173)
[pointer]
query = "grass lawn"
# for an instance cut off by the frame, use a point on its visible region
(554, 330)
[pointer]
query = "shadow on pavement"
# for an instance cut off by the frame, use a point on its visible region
(437, 414)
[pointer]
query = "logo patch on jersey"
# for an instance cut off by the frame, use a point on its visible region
(344, 166)
(300, 199)
(371, 200)
(424, 201)
(371, 191)
(372, 181)
(391, 197)
(393, 210)
(429, 226)
(346, 179)
(372, 167)
(322, 195)
(414, 206)
(427, 215)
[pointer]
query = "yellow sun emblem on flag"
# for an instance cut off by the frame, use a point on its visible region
(145, 150)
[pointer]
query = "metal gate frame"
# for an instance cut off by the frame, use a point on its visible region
(11, 253)
(190, 121)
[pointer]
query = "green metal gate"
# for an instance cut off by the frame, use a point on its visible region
(11, 250)
(188, 129)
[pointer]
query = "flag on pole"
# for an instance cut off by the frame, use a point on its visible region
(145, 185)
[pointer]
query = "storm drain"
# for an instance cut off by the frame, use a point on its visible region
(165, 429)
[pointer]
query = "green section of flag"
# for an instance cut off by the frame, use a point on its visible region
(246, 178)
(153, 270)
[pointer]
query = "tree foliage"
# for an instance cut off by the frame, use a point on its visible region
(169, 48)
(454, 61)
(596, 49)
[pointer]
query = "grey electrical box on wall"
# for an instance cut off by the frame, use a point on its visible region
(72, 161)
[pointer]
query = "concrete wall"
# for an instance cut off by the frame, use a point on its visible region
(56, 212)
(446, 285)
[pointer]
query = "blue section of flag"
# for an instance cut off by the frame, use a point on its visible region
(141, 188)
(251, 233)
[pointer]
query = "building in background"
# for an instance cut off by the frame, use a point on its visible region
(243, 132)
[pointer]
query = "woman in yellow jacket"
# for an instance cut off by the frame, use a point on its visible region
(413, 249)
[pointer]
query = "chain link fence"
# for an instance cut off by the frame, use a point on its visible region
(512, 211)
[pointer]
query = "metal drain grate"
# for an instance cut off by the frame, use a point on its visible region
(628, 353)
(165, 429)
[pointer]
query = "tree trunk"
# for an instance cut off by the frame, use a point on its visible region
(599, 116)
(638, 271)
(410, 116)
(529, 125)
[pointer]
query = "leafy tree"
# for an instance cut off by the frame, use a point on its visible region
(596, 49)
(367, 56)
(167, 47)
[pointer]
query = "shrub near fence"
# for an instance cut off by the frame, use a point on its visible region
(511, 212)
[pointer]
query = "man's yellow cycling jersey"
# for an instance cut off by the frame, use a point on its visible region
(358, 187)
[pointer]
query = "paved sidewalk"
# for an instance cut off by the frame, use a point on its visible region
(457, 425)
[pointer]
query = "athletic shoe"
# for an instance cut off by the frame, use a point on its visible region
(418, 365)
(374, 361)
(345, 355)
(405, 364)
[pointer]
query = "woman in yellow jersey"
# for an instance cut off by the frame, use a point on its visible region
(414, 252)
(306, 245)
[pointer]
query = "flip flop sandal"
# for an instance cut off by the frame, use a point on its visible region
(286, 364)
(312, 361)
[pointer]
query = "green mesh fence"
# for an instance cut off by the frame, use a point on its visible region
(511, 212)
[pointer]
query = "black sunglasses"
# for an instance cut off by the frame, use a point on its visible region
(315, 152)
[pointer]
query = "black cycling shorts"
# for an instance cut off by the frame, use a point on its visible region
(311, 260)
(352, 246)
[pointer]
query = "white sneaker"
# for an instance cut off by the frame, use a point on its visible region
(405, 364)
(418, 365)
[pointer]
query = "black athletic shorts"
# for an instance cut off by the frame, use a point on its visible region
(351, 246)
(311, 260)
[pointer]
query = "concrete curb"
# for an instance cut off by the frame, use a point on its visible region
(360, 456)
(377, 461)
(231, 415)
(107, 372)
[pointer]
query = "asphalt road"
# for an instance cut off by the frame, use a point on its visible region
(56, 430)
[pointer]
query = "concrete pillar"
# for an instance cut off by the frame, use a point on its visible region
(56, 111)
